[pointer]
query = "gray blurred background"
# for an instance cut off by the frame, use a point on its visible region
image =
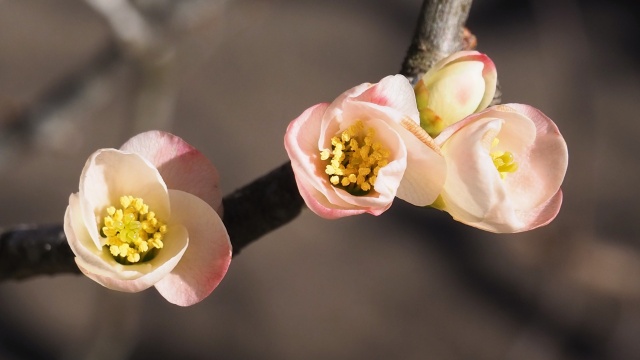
(228, 76)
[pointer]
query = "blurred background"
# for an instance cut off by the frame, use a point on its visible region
(228, 76)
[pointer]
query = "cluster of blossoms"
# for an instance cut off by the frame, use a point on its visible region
(496, 168)
(148, 214)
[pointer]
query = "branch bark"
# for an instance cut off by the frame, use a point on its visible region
(439, 32)
(261, 206)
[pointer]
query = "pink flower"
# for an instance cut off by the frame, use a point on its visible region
(144, 216)
(505, 166)
(356, 154)
(457, 86)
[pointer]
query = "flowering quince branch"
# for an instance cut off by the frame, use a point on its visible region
(268, 202)
(432, 144)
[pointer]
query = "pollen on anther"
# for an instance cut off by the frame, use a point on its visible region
(504, 161)
(132, 231)
(354, 159)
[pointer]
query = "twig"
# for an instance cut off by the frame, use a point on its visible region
(438, 33)
(270, 202)
(263, 205)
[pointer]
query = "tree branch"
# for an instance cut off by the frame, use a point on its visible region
(261, 206)
(269, 202)
(439, 32)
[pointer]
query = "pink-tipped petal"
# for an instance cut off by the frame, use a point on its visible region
(181, 165)
(395, 92)
(490, 75)
(334, 109)
(207, 257)
(548, 155)
(318, 203)
(517, 200)
(456, 90)
(301, 144)
(543, 214)
(459, 85)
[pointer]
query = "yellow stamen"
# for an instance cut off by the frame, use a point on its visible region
(133, 232)
(354, 159)
(504, 161)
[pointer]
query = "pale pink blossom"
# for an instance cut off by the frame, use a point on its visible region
(505, 166)
(356, 154)
(145, 216)
(457, 86)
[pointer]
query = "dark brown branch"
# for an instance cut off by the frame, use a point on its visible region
(270, 202)
(35, 250)
(263, 205)
(438, 33)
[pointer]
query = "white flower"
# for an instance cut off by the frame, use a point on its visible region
(144, 216)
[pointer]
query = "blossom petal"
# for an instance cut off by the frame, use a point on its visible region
(334, 110)
(110, 174)
(456, 91)
(181, 166)
(207, 257)
(475, 194)
(546, 158)
(543, 214)
(459, 85)
(80, 240)
(393, 91)
(301, 143)
(138, 277)
(425, 169)
(473, 191)
(318, 203)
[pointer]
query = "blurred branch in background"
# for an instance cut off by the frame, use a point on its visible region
(150, 32)
(45, 123)
(148, 36)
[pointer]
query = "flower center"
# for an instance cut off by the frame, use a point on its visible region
(354, 159)
(133, 233)
(503, 161)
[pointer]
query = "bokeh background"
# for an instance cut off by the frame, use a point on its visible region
(228, 76)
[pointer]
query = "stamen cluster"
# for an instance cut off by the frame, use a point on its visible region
(355, 159)
(132, 231)
(503, 161)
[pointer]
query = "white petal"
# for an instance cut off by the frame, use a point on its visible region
(474, 191)
(134, 278)
(110, 174)
(80, 240)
